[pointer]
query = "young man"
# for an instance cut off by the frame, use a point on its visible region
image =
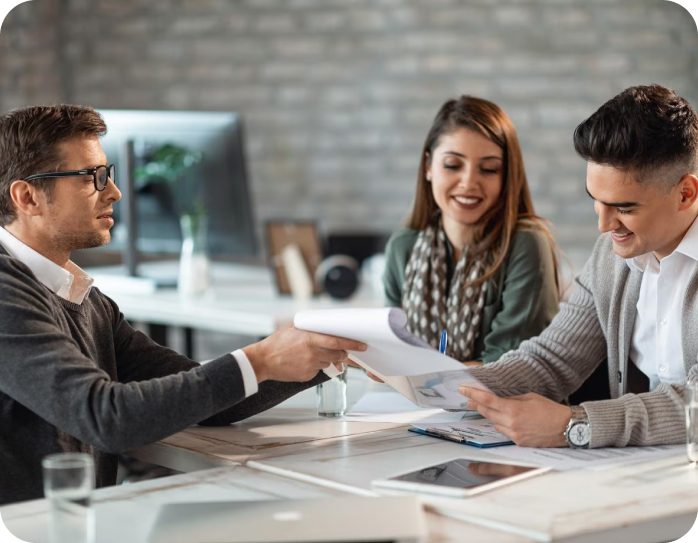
(636, 301)
(74, 375)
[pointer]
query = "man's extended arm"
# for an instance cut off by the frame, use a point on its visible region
(46, 369)
(558, 361)
(143, 359)
(555, 363)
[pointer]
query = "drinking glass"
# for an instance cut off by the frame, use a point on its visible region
(68, 483)
(332, 396)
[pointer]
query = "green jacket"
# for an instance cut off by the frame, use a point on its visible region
(521, 299)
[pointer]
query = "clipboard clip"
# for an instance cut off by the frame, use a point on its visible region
(445, 434)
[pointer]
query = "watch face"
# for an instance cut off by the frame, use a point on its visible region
(579, 434)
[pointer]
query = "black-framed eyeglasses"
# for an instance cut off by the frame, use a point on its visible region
(100, 175)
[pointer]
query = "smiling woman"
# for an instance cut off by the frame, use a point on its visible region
(475, 263)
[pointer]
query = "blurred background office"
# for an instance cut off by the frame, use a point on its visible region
(336, 95)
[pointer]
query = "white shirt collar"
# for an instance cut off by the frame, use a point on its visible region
(71, 284)
(689, 243)
(688, 246)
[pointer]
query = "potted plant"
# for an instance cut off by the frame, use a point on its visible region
(173, 166)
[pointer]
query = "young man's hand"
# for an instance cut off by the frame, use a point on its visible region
(530, 420)
(290, 354)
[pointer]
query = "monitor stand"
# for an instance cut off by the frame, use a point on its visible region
(167, 277)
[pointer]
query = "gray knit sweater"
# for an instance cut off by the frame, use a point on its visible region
(80, 378)
(597, 324)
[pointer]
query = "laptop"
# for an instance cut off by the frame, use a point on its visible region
(394, 519)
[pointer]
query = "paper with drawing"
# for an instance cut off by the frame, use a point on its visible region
(405, 362)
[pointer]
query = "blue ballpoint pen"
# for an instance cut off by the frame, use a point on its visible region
(444, 341)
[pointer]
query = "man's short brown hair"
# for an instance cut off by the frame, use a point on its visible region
(28, 144)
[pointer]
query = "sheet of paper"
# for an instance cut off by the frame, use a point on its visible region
(440, 389)
(566, 459)
(375, 403)
(394, 407)
(392, 350)
(406, 363)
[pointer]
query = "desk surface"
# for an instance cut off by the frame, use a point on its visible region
(127, 512)
(651, 501)
(655, 501)
(291, 426)
(290, 452)
(241, 300)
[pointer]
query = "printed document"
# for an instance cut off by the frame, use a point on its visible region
(416, 370)
(565, 458)
(394, 407)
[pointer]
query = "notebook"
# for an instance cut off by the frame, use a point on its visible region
(397, 519)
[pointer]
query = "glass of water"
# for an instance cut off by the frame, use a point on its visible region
(692, 420)
(68, 482)
(332, 396)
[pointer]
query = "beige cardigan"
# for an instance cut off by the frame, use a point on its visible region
(597, 324)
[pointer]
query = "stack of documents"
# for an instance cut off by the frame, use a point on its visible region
(419, 372)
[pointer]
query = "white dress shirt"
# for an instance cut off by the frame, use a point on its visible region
(73, 284)
(70, 283)
(656, 347)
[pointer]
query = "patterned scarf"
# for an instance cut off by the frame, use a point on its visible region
(428, 306)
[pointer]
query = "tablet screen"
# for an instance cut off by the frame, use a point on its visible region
(463, 473)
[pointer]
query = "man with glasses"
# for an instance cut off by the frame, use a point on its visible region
(74, 375)
(636, 301)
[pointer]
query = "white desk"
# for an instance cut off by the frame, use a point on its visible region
(290, 452)
(652, 501)
(127, 512)
(242, 300)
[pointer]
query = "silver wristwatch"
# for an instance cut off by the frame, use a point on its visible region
(578, 431)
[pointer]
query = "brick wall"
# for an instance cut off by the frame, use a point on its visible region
(30, 56)
(338, 94)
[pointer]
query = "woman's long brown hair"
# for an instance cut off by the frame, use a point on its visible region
(513, 209)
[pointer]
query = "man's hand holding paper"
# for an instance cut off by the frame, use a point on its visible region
(529, 420)
(403, 361)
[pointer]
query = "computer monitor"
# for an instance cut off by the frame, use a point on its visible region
(215, 137)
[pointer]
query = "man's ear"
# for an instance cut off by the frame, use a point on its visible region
(26, 197)
(688, 191)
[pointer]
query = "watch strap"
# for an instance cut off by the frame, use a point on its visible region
(579, 413)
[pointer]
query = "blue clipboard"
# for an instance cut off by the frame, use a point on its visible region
(459, 439)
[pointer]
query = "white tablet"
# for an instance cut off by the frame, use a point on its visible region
(458, 478)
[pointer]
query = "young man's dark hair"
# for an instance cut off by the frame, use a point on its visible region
(28, 139)
(649, 130)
